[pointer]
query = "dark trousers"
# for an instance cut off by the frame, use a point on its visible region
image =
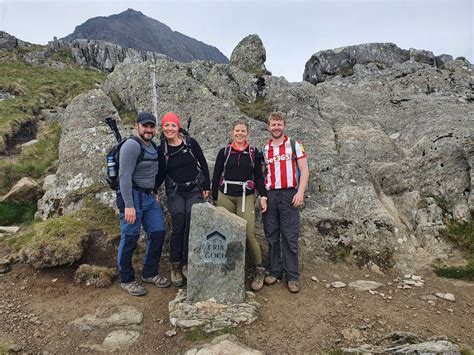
(281, 223)
(179, 205)
(150, 215)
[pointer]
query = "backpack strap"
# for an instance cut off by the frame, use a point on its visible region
(142, 149)
(293, 148)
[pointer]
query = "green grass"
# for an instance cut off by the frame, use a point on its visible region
(256, 71)
(461, 234)
(197, 334)
(38, 87)
(16, 213)
(259, 109)
(34, 160)
(4, 348)
(466, 351)
(127, 115)
(66, 232)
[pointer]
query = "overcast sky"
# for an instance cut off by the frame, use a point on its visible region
(291, 31)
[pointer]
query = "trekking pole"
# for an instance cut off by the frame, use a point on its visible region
(154, 98)
(113, 126)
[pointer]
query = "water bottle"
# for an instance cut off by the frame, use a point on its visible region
(111, 164)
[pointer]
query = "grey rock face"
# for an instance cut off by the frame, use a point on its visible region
(249, 54)
(216, 255)
(117, 316)
(327, 64)
(103, 55)
(85, 141)
(10, 42)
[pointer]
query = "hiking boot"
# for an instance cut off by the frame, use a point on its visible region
(159, 281)
(184, 271)
(294, 286)
(133, 288)
(176, 275)
(257, 283)
(270, 280)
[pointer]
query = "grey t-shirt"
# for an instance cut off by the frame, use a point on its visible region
(142, 173)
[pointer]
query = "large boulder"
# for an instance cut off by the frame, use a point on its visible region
(250, 54)
(329, 63)
(10, 42)
(26, 190)
(85, 141)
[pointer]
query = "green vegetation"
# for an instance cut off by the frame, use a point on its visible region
(34, 160)
(4, 348)
(38, 87)
(339, 252)
(256, 71)
(461, 234)
(15, 213)
(466, 351)
(345, 72)
(197, 334)
(259, 109)
(439, 200)
(128, 116)
(64, 234)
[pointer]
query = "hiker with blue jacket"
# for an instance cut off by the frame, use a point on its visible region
(237, 173)
(138, 205)
(184, 169)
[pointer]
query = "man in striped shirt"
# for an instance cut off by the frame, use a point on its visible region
(286, 179)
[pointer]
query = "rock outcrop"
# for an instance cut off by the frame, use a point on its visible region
(26, 190)
(389, 146)
(102, 55)
(327, 64)
(10, 42)
(250, 54)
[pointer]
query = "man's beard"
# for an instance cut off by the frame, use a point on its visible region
(276, 137)
(142, 136)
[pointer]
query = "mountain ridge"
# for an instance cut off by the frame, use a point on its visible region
(133, 29)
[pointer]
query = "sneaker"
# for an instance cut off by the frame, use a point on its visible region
(257, 283)
(294, 286)
(133, 288)
(184, 271)
(159, 281)
(270, 280)
(176, 275)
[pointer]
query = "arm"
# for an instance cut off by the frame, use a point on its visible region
(218, 169)
(202, 161)
(161, 176)
(259, 181)
(128, 160)
(304, 177)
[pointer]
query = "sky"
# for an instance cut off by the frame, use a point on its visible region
(291, 30)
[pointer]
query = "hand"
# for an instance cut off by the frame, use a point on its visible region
(205, 193)
(130, 215)
(157, 197)
(298, 199)
(263, 204)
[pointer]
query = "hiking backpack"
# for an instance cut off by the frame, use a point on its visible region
(113, 156)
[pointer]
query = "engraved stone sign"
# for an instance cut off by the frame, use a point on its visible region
(215, 248)
(216, 255)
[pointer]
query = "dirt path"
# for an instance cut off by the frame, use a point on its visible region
(37, 308)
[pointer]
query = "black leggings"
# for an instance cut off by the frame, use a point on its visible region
(179, 205)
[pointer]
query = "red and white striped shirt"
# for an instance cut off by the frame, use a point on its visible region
(281, 163)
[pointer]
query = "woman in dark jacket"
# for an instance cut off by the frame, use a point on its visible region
(237, 173)
(184, 169)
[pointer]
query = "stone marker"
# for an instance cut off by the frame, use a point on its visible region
(216, 255)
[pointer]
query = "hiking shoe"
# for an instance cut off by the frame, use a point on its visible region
(176, 275)
(270, 280)
(294, 286)
(257, 283)
(159, 281)
(184, 271)
(133, 288)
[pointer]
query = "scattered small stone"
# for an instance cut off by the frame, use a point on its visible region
(54, 280)
(250, 294)
(450, 310)
(161, 321)
(373, 292)
(396, 280)
(416, 278)
(9, 229)
(389, 284)
(121, 338)
(364, 285)
(171, 333)
(314, 278)
(419, 284)
(338, 284)
(446, 296)
(406, 287)
(431, 302)
(399, 286)
(265, 299)
(367, 276)
(407, 276)
(22, 288)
